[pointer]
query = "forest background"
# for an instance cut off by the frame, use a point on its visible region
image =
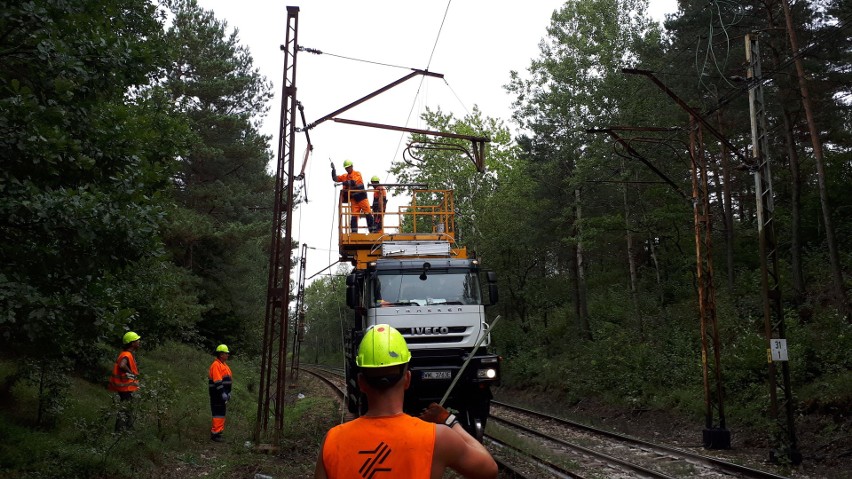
(135, 194)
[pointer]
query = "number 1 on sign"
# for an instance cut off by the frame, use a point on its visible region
(779, 349)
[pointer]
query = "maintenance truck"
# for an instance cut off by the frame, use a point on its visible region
(412, 275)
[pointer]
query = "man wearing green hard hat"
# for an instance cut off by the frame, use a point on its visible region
(409, 447)
(219, 380)
(355, 194)
(125, 380)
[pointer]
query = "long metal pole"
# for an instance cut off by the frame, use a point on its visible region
(485, 334)
(784, 433)
(273, 373)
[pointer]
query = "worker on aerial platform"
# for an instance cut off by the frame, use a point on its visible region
(355, 193)
(380, 203)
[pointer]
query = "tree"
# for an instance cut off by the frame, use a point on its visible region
(219, 231)
(86, 158)
(576, 84)
(448, 168)
(326, 314)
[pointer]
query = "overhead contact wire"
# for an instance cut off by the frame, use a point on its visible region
(420, 85)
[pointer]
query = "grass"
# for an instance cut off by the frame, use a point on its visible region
(171, 437)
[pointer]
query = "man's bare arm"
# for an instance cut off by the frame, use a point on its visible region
(461, 452)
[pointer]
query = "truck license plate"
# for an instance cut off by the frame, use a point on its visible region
(437, 375)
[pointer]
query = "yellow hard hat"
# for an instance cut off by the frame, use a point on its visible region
(129, 337)
(347, 163)
(222, 349)
(374, 179)
(382, 346)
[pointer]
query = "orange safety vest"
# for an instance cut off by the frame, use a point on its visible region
(219, 377)
(380, 198)
(356, 189)
(119, 382)
(380, 447)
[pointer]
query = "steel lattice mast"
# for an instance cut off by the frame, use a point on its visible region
(270, 401)
(784, 430)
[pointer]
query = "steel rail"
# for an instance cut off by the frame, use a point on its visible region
(606, 458)
(704, 460)
(551, 467)
(310, 370)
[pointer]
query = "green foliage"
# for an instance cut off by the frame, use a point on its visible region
(82, 179)
(218, 231)
(172, 414)
(326, 312)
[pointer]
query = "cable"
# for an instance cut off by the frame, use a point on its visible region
(429, 63)
(457, 97)
(767, 75)
(320, 52)
(333, 214)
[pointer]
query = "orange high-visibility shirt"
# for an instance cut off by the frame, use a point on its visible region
(380, 198)
(380, 447)
(219, 377)
(119, 382)
(357, 189)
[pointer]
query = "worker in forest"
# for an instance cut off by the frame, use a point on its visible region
(380, 203)
(385, 439)
(355, 194)
(220, 381)
(125, 380)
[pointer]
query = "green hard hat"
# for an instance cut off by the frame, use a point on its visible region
(222, 349)
(347, 163)
(129, 337)
(382, 346)
(374, 179)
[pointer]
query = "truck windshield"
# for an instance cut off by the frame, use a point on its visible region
(395, 289)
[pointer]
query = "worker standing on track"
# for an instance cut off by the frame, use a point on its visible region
(380, 203)
(125, 380)
(355, 194)
(219, 382)
(386, 442)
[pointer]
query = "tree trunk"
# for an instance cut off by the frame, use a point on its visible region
(581, 303)
(833, 257)
(725, 203)
(798, 277)
(631, 262)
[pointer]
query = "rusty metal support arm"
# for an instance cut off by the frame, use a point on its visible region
(639, 157)
(688, 109)
(478, 141)
(301, 175)
(372, 95)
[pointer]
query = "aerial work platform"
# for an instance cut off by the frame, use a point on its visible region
(423, 227)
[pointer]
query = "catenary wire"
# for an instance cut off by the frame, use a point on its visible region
(438, 37)
(320, 52)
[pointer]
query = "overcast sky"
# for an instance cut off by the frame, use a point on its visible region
(473, 43)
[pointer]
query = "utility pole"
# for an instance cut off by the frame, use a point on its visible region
(299, 324)
(273, 374)
(713, 436)
(783, 435)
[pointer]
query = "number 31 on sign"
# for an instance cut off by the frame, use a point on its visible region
(778, 349)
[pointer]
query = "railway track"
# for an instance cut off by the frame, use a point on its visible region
(619, 455)
(531, 444)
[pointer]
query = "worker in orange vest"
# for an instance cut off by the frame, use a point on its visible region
(125, 380)
(380, 203)
(386, 442)
(355, 194)
(219, 382)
